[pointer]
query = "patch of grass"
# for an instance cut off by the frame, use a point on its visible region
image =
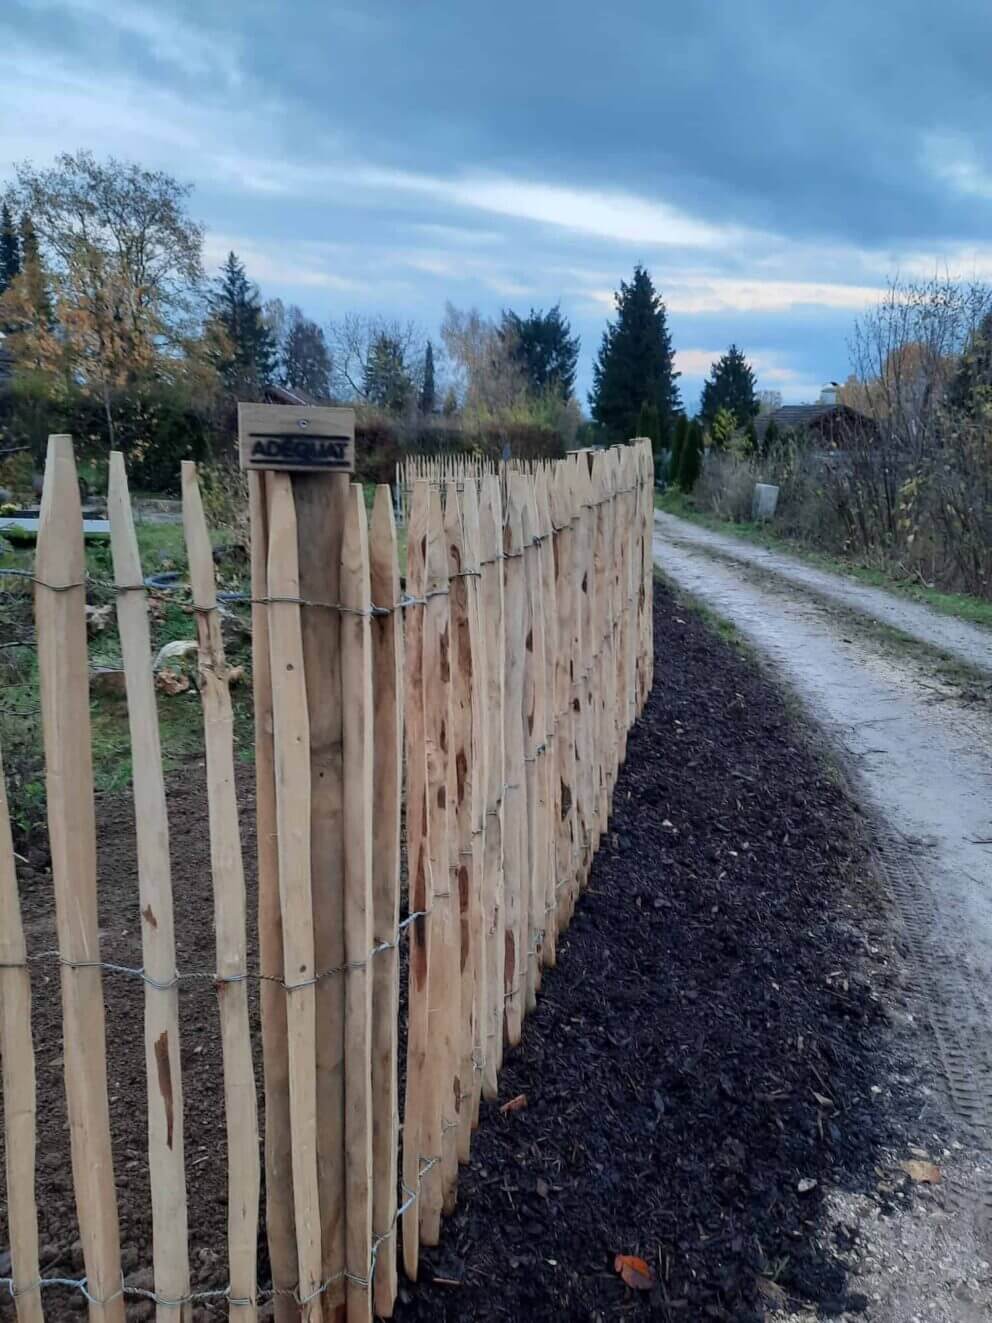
(976, 610)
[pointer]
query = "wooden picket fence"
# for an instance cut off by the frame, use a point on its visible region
(477, 713)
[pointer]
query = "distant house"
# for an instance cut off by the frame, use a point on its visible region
(287, 395)
(827, 424)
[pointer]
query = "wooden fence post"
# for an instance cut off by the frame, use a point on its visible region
(18, 1078)
(357, 718)
(387, 761)
(420, 900)
(562, 511)
(480, 775)
(60, 614)
(516, 878)
(321, 502)
(535, 723)
(552, 780)
(229, 910)
(163, 1069)
(491, 605)
(280, 1225)
(439, 1132)
(291, 738)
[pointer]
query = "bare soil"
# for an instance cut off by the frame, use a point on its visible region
(711, 1054)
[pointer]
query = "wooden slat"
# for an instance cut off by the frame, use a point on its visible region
(479, 781)
(552, 779)
(387, 759)
(291, 742)
(279, 1221)
(163, 1069)
(491, 607)
(357, 723)
(561, 509)
(444, 989)
(514, 797)
(535, 732)
(420, 889)
(18, 1078)
(229, 910)
(321, 502)
(60, 613)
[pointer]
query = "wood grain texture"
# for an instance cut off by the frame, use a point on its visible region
(60, 616)
(163, 1068)
(516, 874)
(17, 1063)
(229, 910)
(387, 762)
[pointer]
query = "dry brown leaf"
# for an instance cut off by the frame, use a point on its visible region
(923, 1173)
(516, 1104)
(235, 674)
(171, 682)
(635, 1272)
(771, 1291)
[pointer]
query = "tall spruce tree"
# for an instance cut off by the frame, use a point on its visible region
(306, 361)
(245, 353)
(647, 423)
(730, 386)
(10, 249)
(691, 460)
(635, 361)
(386, 379)
(679, 434)
(542, 344)
(428, 389)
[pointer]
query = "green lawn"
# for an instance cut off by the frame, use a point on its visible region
(977, 610)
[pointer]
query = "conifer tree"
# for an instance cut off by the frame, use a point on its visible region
(428, 390)
(635, 361)
(10, 249)
(306, 361)
(730, 386)
(679, 435)
(245, 349)
(543, 346)
(691, 461)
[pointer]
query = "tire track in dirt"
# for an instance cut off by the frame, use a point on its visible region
(925, 767)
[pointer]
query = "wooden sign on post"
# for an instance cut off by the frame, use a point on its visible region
(314, 438)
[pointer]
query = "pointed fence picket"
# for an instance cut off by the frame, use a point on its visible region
(476, 713)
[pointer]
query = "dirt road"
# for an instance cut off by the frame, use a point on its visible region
(924, 761)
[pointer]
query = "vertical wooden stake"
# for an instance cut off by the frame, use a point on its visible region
(229, 909)
(321, 502)
(18, 1078)
(163, 1069)
(60, 614)
(552, 780)
(444, 995)
(491, 606)
(535, 731)
(291, 740)
(387, 761)
(420, 898)
(516, 877)
(279, 1221)
(357, 718)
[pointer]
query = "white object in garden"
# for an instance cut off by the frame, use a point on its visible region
(765, 501)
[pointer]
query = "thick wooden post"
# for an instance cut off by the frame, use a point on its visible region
(516, 877)
(18, 1078)
(291, 737)
(439, 1130)
(163, 1070)
(357, 718)
(321, 502)
(229, 910)
(491, 545)
(387, 762)
(420, 887)
(60, 614)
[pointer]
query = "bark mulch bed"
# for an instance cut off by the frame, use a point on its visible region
(708, 1042)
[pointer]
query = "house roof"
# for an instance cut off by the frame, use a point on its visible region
(798, 417)
(287, 395)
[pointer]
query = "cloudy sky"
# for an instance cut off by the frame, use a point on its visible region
(772, 163)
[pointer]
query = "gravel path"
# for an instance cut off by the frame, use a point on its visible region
(968, 643)
(925, 765)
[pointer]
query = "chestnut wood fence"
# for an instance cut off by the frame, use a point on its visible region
(475, 714)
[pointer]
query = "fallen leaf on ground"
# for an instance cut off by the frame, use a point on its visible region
(171, 682)
(806, 1184)
(516, 1104)
(634, 1271)
(924, 1173)
(771, 1291)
